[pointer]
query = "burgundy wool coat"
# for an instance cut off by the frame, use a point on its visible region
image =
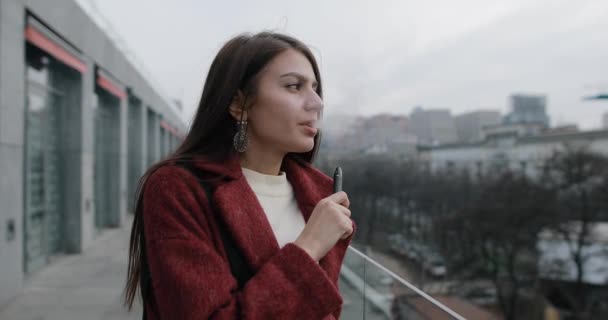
(190, 272)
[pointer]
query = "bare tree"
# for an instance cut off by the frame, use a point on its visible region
(497, 232)
(580, 178)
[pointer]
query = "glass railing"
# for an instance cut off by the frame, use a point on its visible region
(371, 291)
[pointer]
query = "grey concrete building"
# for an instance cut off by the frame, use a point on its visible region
(433, 126)
(469, 125)
(527, 108)
(79, 123)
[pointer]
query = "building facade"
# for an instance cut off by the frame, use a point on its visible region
(527, 108)
(433, 126)
(79, 124)
(524, 154)
(513, 129)
(469, 126)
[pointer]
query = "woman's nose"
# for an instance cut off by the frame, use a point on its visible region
(314, 103)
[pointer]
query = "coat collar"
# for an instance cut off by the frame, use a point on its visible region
(241, 212)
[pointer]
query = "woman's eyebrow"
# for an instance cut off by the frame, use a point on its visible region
(300, 76)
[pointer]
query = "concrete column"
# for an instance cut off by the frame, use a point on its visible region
(144, 137)
(124, 140)
(166, 143)
(157, 137)
(134, 154)
(87, 156)
(12, 124)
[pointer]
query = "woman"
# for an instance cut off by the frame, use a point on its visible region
(250, 148)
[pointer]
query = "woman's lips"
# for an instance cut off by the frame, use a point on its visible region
(310, 130)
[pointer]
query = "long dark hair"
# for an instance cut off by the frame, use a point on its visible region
(234, 69)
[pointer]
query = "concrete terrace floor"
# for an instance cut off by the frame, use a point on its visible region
(84, 286)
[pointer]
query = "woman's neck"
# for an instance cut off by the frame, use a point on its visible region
(262, 162)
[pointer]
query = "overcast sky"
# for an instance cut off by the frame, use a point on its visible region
(390, 56)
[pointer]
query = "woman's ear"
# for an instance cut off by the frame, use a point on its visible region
(237, 106)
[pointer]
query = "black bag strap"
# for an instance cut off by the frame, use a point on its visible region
(239, 268)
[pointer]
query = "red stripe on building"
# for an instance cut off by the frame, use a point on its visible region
(111, 87)
(168, 127)
(164, 124)
(36, 38)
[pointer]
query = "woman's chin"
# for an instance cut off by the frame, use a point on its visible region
(303, 146)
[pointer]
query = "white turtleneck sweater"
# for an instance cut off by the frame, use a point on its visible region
(276, 196)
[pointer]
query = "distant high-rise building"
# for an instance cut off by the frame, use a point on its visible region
(383, 133)
(469, 125)
(379, 129)
(433, 126)
(527, 109)
(605, 121)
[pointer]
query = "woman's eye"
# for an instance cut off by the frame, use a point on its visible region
(293, 86)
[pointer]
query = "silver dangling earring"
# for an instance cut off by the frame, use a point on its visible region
(240, 138)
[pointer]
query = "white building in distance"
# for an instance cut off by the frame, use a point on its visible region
(509, 150)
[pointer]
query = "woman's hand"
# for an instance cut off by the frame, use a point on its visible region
(328, 223)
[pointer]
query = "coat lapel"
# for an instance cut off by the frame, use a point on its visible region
(245, 219)
(307, 188)
(310, 186)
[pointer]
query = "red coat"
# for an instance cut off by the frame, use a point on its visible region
(191, 277)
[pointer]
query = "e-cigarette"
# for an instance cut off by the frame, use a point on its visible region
(338, 180)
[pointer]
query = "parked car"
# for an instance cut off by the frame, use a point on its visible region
(435, 265)
(396, 243)
(415, 251)
(481, 295)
